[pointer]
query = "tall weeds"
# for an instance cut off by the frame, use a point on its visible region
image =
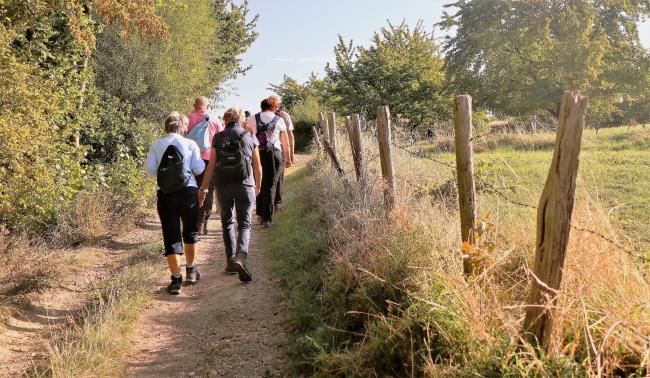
(386, 295)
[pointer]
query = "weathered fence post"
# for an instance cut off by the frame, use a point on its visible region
(331, 121)
(335, 161)
(348, 128)
(386, 155)
(317, 143)
(554, 220)
(465, 173)
(357, 147)
(533, 124)
(322, 122)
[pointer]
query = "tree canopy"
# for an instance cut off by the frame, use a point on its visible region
(73, 123)
(294, 93)
(402, 68)
(518, 57)
(201, 52)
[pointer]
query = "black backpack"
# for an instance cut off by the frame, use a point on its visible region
(265, 131)
(232, 163)
(172, 175)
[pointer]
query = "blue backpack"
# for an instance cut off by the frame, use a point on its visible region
(201, 135)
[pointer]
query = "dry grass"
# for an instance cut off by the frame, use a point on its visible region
(93, 345)
(27, 265)
(391, 298)
(93, 216)
(484, 142)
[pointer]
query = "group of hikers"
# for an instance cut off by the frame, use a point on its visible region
(241, 164)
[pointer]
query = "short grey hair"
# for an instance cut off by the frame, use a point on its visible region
(174, 123)
(201, 101)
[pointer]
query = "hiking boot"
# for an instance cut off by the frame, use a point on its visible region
(174, 287)
(278, 207)
(192, 274)
(230, 268)
(266, 224)
(244, 274)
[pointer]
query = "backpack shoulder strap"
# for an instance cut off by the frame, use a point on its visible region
(274, 121)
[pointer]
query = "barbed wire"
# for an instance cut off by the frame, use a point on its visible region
(499, 193)
(492, 190)
(421, 155)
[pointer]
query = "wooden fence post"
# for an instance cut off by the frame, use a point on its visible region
(465, 173)
(317, 143)
(322, 122)
(554, 220)
(386, 155)
(348, 128)
(357, 148)
(331, 121)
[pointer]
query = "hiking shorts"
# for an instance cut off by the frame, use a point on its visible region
(178, 214)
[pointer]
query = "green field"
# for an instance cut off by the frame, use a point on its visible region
(614, 173)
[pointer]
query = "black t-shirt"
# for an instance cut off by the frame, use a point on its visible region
(249, 143)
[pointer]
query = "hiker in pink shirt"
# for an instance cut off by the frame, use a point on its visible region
(197, 116)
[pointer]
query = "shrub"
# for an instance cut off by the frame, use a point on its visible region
(305, 115)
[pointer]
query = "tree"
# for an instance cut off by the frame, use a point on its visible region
(518, 57)
(402, 68)
(197, 56)
(294, 93)
(67, 130)
(42, 46)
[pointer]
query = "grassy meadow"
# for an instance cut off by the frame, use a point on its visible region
(614, 173)
(372, 293)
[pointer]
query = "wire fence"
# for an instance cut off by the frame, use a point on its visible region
(486, 185)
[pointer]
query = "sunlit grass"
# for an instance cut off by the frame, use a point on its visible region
(376, 294)
(614, 168)
(93, 345)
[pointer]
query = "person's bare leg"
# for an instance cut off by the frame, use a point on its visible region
(190, 253)
(174, 262)
(192, 274)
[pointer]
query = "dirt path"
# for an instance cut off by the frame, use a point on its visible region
(219, 327)
(23, 338)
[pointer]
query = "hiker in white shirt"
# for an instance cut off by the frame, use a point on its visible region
(177, 203)
(277, 104)
(271, 132)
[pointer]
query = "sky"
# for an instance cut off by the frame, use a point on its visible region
(297, 37)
